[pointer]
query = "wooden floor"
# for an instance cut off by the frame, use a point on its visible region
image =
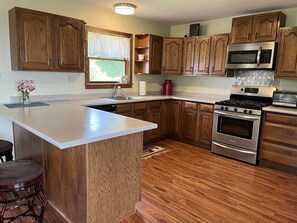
(188, 184)
(191, 185)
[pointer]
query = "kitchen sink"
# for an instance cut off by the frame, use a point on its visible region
(120, 98)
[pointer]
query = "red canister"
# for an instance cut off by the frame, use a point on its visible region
(167, 87)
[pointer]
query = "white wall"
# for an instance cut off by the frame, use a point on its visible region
(214, 84)
(50, 83)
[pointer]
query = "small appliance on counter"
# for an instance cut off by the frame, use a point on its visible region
(285, 99)
(167, 87)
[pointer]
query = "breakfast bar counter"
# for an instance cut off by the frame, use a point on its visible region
(91, 158)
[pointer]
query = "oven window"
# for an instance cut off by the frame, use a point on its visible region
(235, 127)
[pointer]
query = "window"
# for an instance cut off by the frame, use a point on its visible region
(109, 58)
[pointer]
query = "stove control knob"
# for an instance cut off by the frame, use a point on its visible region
(222, 107)
(235, 109)
(250, 111)
(245, 111)
(226, 108)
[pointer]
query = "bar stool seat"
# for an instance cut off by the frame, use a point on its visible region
(5, 150)
(21, 190)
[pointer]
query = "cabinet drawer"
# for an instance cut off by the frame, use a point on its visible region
(206, 108)
(124, 108)
(281, 134)
(155, 105)
(140, 106)
(191, 105)
(279, 154)
(281, 119)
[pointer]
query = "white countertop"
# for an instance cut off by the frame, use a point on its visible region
(290, 111)
(69, 123)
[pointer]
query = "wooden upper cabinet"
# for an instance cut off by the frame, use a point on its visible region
(188, 55)
(242, 29)
(156, 43)
(172, 55)
(257, 28)
(31, 31)
(45, 42)
(218, 54)
(201, 58)
(287, 53)
(151, 47)
(69, 39)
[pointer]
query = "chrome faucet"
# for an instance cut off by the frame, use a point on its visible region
(117, 88)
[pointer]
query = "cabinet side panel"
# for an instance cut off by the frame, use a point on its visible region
(114, 178)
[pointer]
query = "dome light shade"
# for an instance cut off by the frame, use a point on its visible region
(124, 8)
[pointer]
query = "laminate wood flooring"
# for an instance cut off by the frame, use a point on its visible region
(188, 184)
(191, 185)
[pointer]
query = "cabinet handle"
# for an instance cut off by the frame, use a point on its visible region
(256, 35)
(212, 69)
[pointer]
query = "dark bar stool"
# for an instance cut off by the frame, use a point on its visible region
(5, 150)
(21, 191)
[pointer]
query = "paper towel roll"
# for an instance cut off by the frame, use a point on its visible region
(142, 88)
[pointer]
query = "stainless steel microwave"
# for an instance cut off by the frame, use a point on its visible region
(251, 56)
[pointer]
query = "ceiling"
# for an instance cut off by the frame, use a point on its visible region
(186, 11)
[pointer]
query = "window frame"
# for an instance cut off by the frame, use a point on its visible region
(129, 63)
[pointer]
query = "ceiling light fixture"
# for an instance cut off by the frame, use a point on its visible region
(124, 8)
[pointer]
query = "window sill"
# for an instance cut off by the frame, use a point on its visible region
(106, 85)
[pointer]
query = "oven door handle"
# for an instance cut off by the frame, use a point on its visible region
(228, 147)
(238, 116)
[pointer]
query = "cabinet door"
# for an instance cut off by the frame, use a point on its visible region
(172, 55)
(205, 127)
(156, 54)
(166, 118)
(242, 29)
(188, 56)
(125, 109)
(287, 53)
(176, 118)
(70, 39)
(190, 125)
(265, 28)
(154, 115)
(218, 53)
(34, 36)
(201, 59)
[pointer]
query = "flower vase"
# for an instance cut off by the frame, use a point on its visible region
(25, 97)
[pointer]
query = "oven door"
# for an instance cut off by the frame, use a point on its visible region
(240, 130)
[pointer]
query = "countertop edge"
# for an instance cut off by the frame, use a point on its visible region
(289, 111)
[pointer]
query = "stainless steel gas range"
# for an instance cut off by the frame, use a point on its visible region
(237, 122)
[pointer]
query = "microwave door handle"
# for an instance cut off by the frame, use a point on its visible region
(258, 56)
(237, 116)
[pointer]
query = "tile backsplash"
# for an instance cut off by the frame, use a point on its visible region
(255, 78)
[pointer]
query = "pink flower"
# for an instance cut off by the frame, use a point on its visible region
(26, 85)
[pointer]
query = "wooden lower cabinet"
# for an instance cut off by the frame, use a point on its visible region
(166, 118)
(125, 109)
(176, 119)
(278, 147)
(190, 111)
(154, 115)
(190, 122)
